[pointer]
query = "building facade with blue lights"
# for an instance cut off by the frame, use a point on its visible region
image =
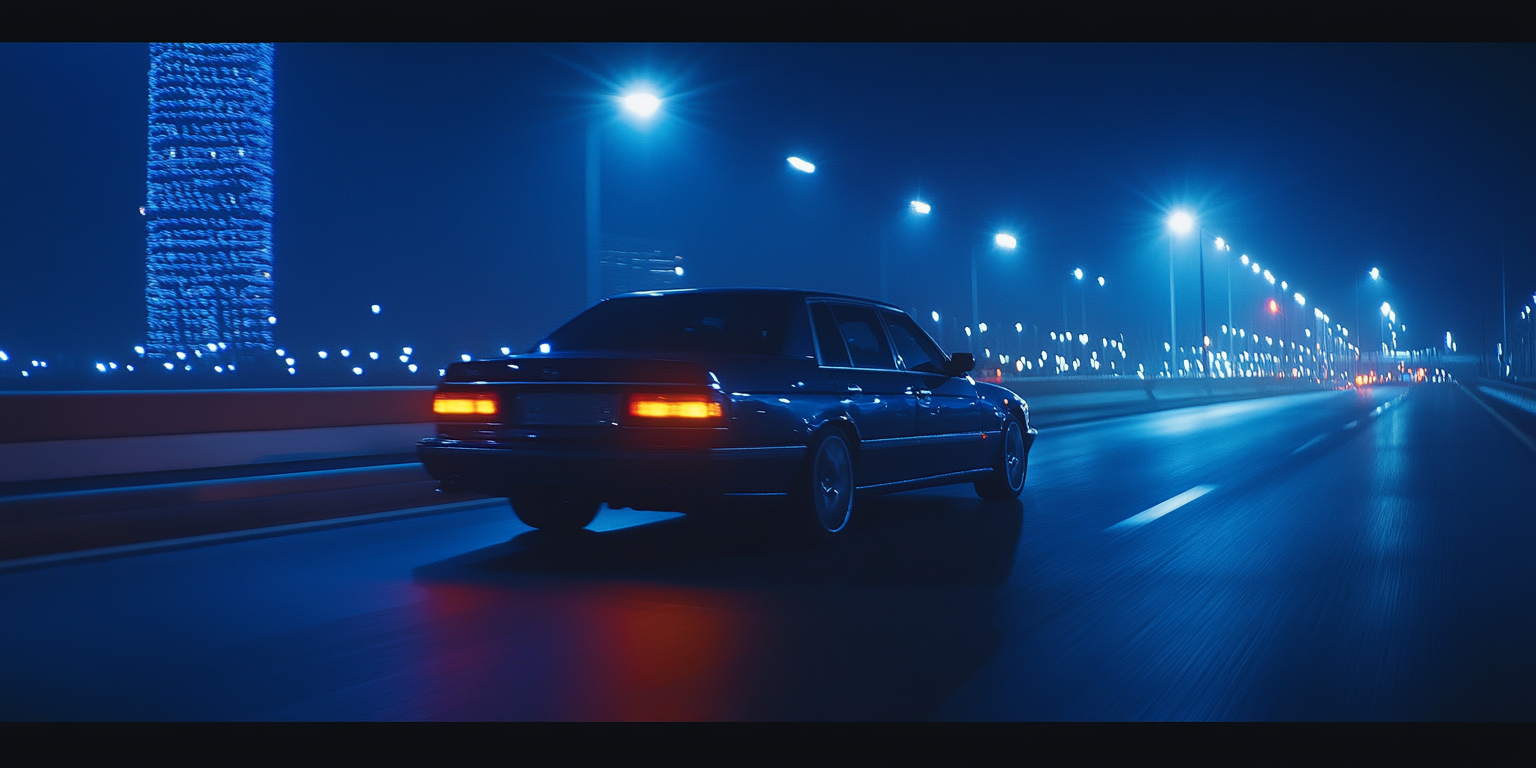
(208, 210)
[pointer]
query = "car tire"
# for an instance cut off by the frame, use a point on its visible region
(823, 500)
(1009, 468)
(553, 512)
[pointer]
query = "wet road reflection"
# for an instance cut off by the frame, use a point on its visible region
(1344, 560)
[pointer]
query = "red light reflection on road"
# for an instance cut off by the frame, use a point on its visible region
(584, 652)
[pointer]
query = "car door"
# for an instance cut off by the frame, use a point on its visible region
(879, 397)
(950, 416)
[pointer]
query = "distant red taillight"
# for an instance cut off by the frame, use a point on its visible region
(464, 404)
(649, 406)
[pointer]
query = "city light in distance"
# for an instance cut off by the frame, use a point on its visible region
(1101, 281)
(376, 309)
(801, 165)
(935, 315)
(544, 348)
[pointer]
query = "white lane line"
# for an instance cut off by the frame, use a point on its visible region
(1164, 508)
(1309, 444)
(1514, 430)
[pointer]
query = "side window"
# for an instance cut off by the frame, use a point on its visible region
(914, 350)
(830, 341)
(861, 330)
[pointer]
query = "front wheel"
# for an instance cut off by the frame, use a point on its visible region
(1007, 478)
(551, 512)
(824, 500)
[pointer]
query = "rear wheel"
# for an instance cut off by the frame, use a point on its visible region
(553, 512)
(824, 501)
(1007, 478)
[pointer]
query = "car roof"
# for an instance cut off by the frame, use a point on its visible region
(772, 291)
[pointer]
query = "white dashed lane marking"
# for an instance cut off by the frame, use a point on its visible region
(1164, 508)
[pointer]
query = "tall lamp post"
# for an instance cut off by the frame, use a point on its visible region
(1003, 241)
(643, 106)
(914, 208)
(1179, 223)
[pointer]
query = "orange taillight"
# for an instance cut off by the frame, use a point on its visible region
(673, 407)
(462, 404)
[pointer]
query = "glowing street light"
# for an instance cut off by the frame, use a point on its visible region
(1077, 273)
(919, 206)
(1375, 273)
(801, 165)
(1180, 222)
(1300, 299)
(1005, 241)
(642, 104)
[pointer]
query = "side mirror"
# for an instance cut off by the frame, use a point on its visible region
(960, 363)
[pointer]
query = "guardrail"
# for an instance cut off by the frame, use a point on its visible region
(58, 435)
(55, 435)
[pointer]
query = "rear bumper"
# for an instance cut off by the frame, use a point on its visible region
(617, 477)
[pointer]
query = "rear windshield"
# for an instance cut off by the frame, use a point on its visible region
(741, 324)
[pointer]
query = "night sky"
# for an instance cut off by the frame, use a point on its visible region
(445, 182)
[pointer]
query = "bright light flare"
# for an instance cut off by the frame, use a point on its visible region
(801, 165)
(642, 104)
(919, 206)
(648, 406)
(1005, 240)
(1180, 222)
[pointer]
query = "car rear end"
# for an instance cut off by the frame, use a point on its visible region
(648, 429)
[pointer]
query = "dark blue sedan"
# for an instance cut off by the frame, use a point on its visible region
(685, 400)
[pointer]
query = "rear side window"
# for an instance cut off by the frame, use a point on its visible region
(833, 351)
(865, 338)
(742, 324)
(914, 350)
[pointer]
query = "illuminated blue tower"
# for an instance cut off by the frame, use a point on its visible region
(209, 207)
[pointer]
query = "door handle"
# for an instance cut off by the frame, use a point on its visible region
(853, 389)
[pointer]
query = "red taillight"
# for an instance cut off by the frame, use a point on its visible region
(464, 404)
(649, 406)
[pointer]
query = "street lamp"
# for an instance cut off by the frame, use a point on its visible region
(1001, 240)
(642, 105)
(1181, 222)
(916, 208)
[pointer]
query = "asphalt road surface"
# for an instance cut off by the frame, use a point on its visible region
(1334, 555)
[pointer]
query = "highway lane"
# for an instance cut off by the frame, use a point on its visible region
(1335, 555)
